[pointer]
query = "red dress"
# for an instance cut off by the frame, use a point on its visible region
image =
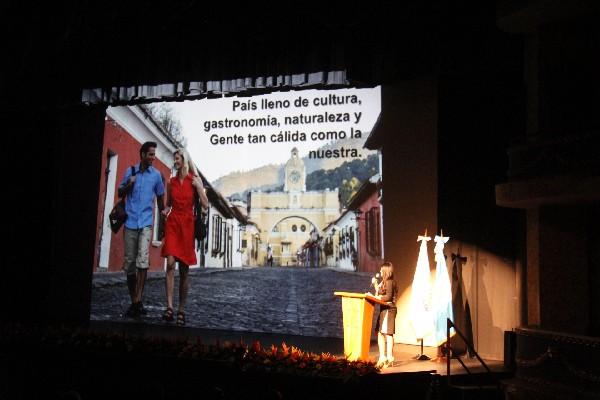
(179, 229)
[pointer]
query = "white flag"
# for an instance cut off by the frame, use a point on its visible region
(420, 315)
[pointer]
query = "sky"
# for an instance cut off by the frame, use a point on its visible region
(200, 118)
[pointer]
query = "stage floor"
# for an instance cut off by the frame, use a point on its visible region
(404, 355)
(404, 361)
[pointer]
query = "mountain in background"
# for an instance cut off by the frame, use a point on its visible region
(265, 178)
(270, 177)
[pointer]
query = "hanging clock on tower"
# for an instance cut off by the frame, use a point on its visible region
(295, 176)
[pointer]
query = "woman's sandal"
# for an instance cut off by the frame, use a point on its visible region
(180, 318)
(168, 314)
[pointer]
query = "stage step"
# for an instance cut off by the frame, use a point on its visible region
(473, 387)
(474, 392)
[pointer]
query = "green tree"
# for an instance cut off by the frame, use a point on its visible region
(348, 177)
(348, 188)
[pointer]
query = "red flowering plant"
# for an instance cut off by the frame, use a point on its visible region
(276, 359)
(282, 359)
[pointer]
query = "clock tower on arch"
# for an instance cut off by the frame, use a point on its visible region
(295, 173)
(285, 218)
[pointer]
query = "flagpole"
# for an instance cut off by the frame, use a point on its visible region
(422, 357)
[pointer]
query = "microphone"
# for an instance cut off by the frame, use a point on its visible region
(374, 280)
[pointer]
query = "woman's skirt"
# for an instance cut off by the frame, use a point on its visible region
(386, 321)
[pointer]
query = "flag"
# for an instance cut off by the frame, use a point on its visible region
(442, 292)
(420, 315)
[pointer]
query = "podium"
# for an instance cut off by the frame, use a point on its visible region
(357, 311)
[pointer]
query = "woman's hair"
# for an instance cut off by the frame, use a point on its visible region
(387, 271)
(188, 165)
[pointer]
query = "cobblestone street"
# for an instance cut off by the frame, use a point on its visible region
(288, 300)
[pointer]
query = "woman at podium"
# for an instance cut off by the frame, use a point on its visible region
(386, 291)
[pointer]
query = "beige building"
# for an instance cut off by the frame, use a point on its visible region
(285, 219)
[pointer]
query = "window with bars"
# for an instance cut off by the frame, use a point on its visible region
(373, 231)
(217, 234)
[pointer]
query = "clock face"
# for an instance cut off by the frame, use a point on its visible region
(294, 176)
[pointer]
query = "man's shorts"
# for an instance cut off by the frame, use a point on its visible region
(137, 245)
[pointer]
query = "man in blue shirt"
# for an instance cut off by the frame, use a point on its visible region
(141, 186)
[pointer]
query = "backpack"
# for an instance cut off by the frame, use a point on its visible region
(118, 215)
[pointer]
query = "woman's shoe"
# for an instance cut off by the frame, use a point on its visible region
(168, 314)
(180, 318)
(389, 362)
(381, 362)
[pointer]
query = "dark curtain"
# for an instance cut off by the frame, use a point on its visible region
(144, 51)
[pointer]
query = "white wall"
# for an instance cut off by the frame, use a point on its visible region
(345, 223)
(236, 242)
(215, 260)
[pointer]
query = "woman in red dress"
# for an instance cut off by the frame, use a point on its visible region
(178, 243)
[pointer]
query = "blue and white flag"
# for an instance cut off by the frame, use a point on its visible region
(442, 292)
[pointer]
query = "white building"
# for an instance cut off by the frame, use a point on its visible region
(345, 240)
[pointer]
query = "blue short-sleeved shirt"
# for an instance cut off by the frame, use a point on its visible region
(140, 201)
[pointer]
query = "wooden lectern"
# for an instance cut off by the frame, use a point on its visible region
(357, 310)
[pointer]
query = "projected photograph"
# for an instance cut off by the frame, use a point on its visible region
(243, 213)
